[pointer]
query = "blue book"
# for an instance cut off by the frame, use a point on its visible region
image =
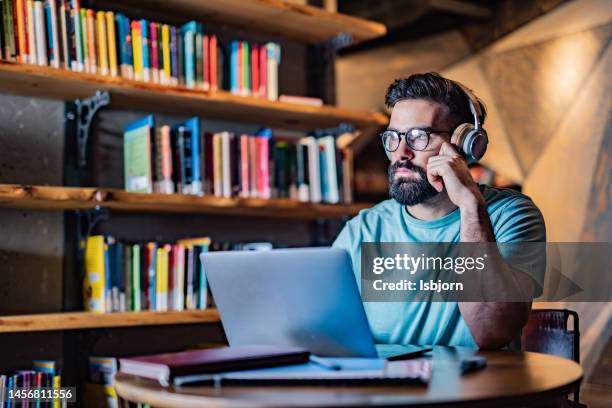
(194, 127)
(146, 60)
(153, 278)
(188, 33)
(10, 383)
(174, 69)
(235, 89)
(121, 34)
(49, 24)
(107, 274)
(203, 289)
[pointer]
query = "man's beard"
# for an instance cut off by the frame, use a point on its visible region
(410, 190)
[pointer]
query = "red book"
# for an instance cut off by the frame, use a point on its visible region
(239, 69)
(154, 53)
(206, 54)
(255, 50)
(168, 368)
(244, 166)
(263, 167)
(263, 72)
(213, 63)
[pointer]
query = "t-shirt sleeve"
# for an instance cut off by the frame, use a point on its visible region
(521, 236)
(349, 239)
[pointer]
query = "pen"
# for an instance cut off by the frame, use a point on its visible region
(325, 363)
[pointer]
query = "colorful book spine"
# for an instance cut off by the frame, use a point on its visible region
(214, 58)
(22, 33)
(206, 62)
(263, 72)
(136, 301)
(54, 42)
(112, 43)
(10, 46)
(166, 72)
(91, 41)
(78, 34)
(246, 68)
(146, 57)
(95, 274)
(244, 166)
(154, 52)
(65, 27)
(31, 24)
(40, 33)
(137, 51)
(188, 33)
(102, 43)
(174, 57)
(263, 168)
(273, 51)
(255, 70)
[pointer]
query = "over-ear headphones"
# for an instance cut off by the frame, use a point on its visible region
(471, 139)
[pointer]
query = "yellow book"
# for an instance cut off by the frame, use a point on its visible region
(57, 383)
(159, 280)
(84, 37)
(102, 46)
(112, 43)
(165, 72)
(137, 51)
(94, 284)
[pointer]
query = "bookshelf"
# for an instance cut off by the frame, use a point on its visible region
(273, 17)
(82, 198)
(47, 82)
(87, 320)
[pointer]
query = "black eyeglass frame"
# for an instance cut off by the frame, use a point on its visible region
(428, 132)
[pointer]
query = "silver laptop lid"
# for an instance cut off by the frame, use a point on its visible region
(306, 297)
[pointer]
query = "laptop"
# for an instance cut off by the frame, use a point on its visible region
(305, 297)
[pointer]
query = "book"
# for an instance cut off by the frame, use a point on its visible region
(195, 185)
(102, 43)
(329, 178)
(91, 41)
(40, 34)
(166, 367)
(273, 61)
(95, 275)
(137, 155)
(78, 34)
(112, 43)
(314, 171)
(146, 55)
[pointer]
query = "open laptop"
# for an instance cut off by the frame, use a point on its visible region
(306, 297)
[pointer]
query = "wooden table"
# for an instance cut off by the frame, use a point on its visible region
(510, 379)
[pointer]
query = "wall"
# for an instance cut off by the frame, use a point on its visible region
(547, 87)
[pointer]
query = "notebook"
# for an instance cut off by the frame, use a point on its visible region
(353, 370)
(167, 367)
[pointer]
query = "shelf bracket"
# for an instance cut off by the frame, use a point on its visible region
(85, 111)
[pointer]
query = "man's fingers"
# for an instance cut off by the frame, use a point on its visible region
(448, 149)
(434, 177)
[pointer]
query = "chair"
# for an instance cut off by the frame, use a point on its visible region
(547, 332)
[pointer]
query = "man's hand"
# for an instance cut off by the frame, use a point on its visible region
(448, 170)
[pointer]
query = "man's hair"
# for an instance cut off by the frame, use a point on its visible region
(433, 87)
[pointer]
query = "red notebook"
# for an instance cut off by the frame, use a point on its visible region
(166, 367)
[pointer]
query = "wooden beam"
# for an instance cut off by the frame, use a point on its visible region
(88, 320)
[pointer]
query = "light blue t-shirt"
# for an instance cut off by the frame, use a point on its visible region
(514, 218)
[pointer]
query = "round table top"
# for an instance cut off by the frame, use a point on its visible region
(510, 379)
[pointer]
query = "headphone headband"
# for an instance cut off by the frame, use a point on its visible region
(474, 104)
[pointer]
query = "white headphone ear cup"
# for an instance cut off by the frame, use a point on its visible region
(460, 135)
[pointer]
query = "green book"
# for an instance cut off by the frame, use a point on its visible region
(136, 278)
(246, 68)
(137, 155)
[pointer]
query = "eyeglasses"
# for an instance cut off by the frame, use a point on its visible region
(416, 138)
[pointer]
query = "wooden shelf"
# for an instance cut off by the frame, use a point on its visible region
(39, 81)
(75, 198)
(274, 17)
(87, 320)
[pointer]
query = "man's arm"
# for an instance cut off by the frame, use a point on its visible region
(492, 324)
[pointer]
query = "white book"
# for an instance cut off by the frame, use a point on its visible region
(55, 62)
(225, 160)
(314, 170)
(31, 29)
(331, 193)
(273, 51)
(217, 165)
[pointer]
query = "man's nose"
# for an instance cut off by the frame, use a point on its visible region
(403, 152)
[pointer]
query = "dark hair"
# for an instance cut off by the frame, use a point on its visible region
(433, 87)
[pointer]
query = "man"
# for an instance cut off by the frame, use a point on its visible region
(435, 199)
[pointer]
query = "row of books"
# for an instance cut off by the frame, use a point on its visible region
(44, 374)
(185, 159)
(149, 276)
(61, 34)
